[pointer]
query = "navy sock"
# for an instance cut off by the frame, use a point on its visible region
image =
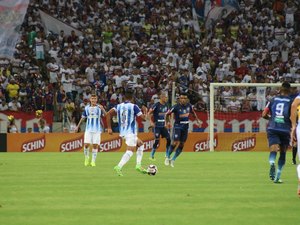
(272, 158)
(177, 153)
(294, 153)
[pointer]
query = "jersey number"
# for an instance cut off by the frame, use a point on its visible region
(279, 109)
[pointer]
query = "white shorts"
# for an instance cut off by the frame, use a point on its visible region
(131, 140)
(92, 138)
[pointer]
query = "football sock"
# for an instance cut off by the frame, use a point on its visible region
(294, 153)
(298, 171)
(94, 155)
(125, 158)
(281, 162)
(168, 145)
(154, 148)
(86, 152)
(272, 158)
(177, 153)
(139, 155)
(170, 151)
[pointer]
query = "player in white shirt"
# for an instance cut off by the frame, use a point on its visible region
(127, 112)
(92, 135)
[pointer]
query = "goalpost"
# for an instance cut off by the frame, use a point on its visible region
(218, 105)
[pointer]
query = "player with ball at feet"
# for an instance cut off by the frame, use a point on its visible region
(127, 113)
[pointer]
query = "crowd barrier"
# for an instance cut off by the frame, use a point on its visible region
(69, 142)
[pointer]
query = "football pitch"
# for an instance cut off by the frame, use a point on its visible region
(203, 188)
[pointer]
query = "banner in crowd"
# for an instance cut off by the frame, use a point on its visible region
(196, 142)
(55, 26)
(223, 122)
(12, 13)
(24, 120)
(233, 3)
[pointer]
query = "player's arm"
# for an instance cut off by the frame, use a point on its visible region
(195, 115)
(80, 121)
(293, 117)
(149, 115)
(102, 110)
(168, 115)
(143, 114)
(266, 112)
(112, 112)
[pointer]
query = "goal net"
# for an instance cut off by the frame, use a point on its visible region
(235, 122)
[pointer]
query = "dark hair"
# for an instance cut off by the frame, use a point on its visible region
(129, 93)
(184, 94)
(286, 85)
(285, 88)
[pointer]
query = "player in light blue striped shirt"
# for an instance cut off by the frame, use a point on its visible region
(127, 112)
(92, 135)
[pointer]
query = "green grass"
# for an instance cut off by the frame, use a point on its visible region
(203, 188)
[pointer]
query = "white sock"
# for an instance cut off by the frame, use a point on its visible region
(125, 158)
(94, 154)
(86, 151)
(298, 171)
(139, 155)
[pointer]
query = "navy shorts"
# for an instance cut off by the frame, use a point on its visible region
(278, 137)
(161, 131)
(180, 134)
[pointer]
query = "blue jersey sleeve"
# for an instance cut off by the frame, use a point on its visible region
(84, 113)
(137, 110)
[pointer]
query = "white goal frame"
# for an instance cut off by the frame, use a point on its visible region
(212, 105)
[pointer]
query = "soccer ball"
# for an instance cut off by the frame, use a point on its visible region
(152, 170)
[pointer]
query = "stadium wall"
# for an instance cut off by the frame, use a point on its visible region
(67, 142)
(3, 144)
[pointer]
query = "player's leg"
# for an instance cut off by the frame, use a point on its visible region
(176, 138)
(298, 152)
(274, 147)
(165, 134)
(96, 138)
(86, 149)
(281, 162)
(131, 145)
(156, 132)
(183, 138)
(294, 153)
(139, 156)
(284, 143)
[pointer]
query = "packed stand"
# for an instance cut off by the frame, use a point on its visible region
(148, 45)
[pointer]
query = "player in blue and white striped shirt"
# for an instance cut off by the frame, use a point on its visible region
(127, 112)
(92, 135)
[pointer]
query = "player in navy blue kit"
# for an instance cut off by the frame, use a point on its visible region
(181, 112)
(278, 112)
(159, 111)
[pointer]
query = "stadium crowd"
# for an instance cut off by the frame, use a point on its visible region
(148, 45)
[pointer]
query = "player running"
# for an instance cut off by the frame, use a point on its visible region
(181, 112)
(127, 112)
(161, 126)
(278, 131)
